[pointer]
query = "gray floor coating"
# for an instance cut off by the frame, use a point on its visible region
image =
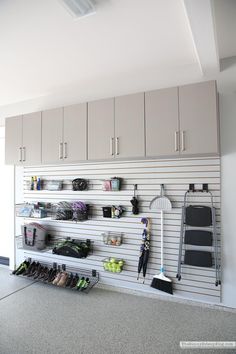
(43, 319)
(10, 284)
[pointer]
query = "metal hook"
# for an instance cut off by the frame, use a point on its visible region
(135, 188)
(162, 190)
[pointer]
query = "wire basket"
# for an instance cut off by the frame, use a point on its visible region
(113, 265)
(112, 238)
(80, 215)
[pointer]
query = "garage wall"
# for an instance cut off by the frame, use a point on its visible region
(196, 283)
(228, 150)
(7, 202)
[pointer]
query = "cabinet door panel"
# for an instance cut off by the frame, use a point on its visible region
(162, 122)
(129, 125)
(75, 132)
(198, 118)
(32, 138)
(52, 139)
(100, 129)
(13, 140)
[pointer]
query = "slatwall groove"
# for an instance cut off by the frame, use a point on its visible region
(176, 174)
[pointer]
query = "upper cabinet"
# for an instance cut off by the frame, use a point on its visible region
(178, 121)
(101, 129)
(75, 133)
(129, 126)
(182, 121)
(64, 134)
(116, 128)
(198, 115)
(162, 122)
(52, 136)
(23, 139)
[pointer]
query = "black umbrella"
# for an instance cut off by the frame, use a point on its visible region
(144, 248)
(134, 202)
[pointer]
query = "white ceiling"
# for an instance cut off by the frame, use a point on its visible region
(127, 46)
(48, 59)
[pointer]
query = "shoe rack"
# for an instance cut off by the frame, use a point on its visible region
(59, 275)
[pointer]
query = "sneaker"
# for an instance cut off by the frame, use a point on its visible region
(79, 283)
(85, 284)
(23, 267)
(17, 269)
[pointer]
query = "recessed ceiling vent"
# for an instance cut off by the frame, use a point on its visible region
(79, 8)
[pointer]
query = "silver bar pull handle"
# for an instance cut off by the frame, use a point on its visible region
(65, 151)
(24, 154)
(117, 146)
(20, 154)
(111, 146)
(183, 140)
(61, 151)
(176, 141)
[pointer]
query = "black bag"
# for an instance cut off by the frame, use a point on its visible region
(73, 249)
(79, 184)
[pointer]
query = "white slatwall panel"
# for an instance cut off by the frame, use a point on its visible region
(197, 283)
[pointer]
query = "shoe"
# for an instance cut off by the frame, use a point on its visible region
(23, 267)
(74, 281)
(63, 279)
(79, 283)
(57, 278)
(17, 269)
(52, 275)
(43, 273)
(69, 280)
(49, 274)
(38, 271)
(33, 270)
(28, 271)
(85, 284)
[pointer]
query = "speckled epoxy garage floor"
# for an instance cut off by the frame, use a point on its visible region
(36, 318)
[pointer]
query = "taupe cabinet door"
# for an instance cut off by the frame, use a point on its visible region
(75, 133)
(31, 146)
(13, 140)
(129, 126)
(198, 118)
(52, 138)
(162, 122)
(23, 139)
(101, 129)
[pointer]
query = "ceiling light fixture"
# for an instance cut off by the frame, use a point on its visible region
(79, 8)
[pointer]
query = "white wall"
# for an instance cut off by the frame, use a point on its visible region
(7, 202)
(228, 148)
